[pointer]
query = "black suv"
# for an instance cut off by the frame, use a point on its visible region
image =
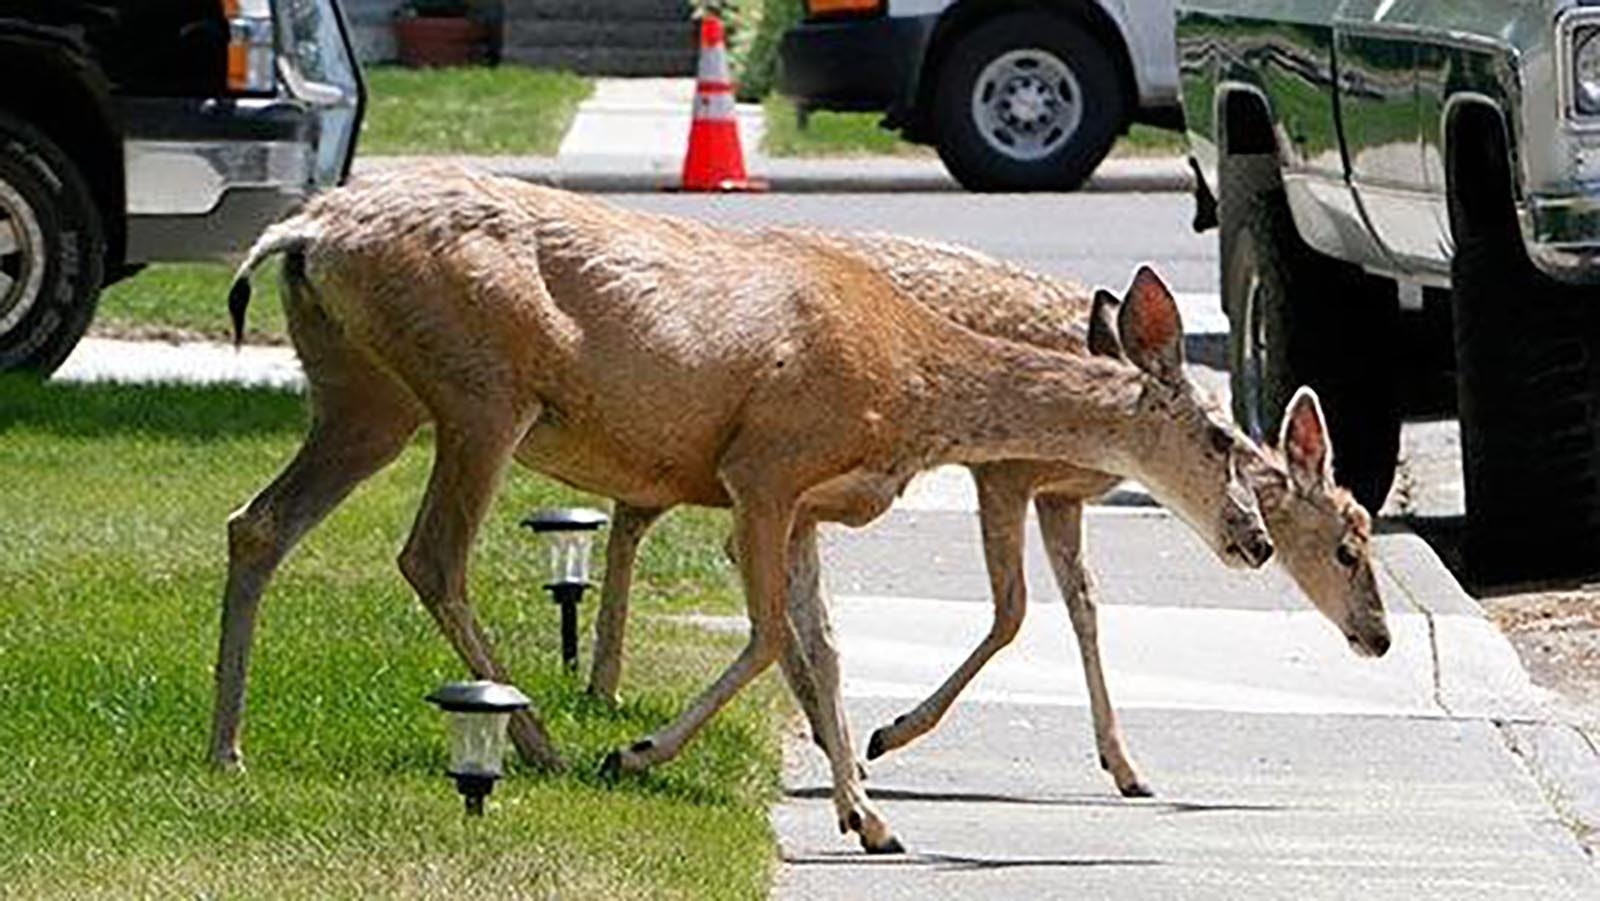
(138, 131)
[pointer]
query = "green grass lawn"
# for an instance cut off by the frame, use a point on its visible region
(1147, 140)
(112, 522)
(476, 110)
(189, 300)
(858, 134)
(830, 134)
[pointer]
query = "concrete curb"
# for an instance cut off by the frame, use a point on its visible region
(626, 174)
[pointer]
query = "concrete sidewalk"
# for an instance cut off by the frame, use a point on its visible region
(1284, 766)
(631, 133)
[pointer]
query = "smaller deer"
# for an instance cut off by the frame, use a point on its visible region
(658, 362)
(1321, 533)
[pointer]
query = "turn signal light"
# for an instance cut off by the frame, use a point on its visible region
(822, 8)
(251, 54)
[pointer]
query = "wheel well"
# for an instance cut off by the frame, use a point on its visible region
(60, 103)
(966, 15)
(1245, 124)
(1477, 153)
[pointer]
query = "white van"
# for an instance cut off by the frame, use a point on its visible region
(1016, 96)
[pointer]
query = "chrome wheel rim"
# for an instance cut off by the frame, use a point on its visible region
(1027, 104)
(21, 257)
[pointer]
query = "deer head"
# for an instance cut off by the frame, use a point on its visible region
(1193, 455)
(1322, 533)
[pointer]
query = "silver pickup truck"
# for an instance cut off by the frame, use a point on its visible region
(136, 132)
(1408, 196)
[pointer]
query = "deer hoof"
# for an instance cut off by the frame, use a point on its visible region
(1136, 789)
(890, 845)
(877, 746)
(611, 767)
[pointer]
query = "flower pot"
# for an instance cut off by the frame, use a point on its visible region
(440, 41)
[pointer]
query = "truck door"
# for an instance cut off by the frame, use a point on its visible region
(1379, 111)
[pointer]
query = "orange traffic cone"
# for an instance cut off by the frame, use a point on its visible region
(714, 161)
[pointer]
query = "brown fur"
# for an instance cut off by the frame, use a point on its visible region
(659, 362)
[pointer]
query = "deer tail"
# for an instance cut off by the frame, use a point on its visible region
(289, 237)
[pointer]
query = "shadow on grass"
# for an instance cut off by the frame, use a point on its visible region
(166, 411)
(716, 781)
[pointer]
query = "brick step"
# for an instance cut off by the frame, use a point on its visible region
(668, 37)
(605, 61)
(593, 10)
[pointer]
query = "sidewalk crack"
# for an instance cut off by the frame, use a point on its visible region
(1438, 670)
(1548, 784)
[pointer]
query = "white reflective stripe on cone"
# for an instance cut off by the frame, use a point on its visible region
(716, 105)
(713, 64)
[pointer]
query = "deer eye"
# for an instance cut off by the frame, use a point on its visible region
(1221, 441)
(1346, 556)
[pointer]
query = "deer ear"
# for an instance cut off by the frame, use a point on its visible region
(1151, 329)
(1103, 340)
(1305, 441)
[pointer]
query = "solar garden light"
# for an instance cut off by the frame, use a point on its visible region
(567, 533)
(478, 712)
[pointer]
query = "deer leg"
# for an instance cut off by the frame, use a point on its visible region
(792, 661)
(1002, 511)
(797, 674)
(628, 526)
(815, 653)
(361, 419)
(468, 465)
(338, 454)
(1061, 521)
(759, 535)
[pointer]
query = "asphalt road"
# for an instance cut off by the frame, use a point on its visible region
(1095, 238)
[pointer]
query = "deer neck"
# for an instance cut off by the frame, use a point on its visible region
(989, 399)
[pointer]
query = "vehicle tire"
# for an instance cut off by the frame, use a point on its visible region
(52, 251)
(1528, 392)
(1027, 102)
(1298, 317)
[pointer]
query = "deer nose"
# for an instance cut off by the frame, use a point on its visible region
(1379, 644)
(1255, 550)
(1371, 642)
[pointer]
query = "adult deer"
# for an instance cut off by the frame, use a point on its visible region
(659, 361)
(1321, 533)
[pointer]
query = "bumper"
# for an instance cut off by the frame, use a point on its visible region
(180, 158)
(203, 178)
(1562, 235)
(218, 235)
(856, 64)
